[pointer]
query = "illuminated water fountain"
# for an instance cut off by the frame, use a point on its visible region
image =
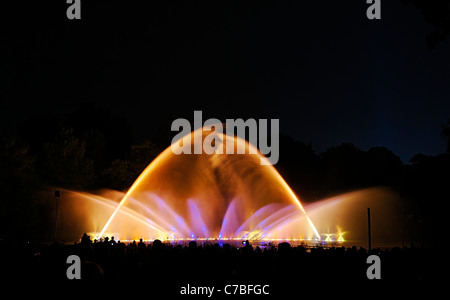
(216, 196)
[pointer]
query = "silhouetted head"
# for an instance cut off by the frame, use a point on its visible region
(157, 243)
(284, 247)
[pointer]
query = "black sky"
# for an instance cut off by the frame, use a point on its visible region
(327, 72)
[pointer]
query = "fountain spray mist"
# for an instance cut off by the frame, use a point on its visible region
(196, 191)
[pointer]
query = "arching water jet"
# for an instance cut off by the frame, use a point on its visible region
(212, 194)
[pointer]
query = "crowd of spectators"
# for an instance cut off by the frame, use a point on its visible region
(158, 261)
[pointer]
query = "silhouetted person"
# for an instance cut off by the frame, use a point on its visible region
(141, 246)
(192, 245)
(86, 240)
(284, 248)
(157, 244)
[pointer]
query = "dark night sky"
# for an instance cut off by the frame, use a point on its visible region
(327, 72)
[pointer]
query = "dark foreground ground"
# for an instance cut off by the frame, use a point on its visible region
(175, 269)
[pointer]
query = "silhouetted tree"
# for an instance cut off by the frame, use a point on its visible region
(298, 164)
(427, 193)
(18, 183)
(123, 172)
(17, 164)
(66, 162)
(343, 167)
(101, 136)
(384, 168)
(437, 13)
(107, 136)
